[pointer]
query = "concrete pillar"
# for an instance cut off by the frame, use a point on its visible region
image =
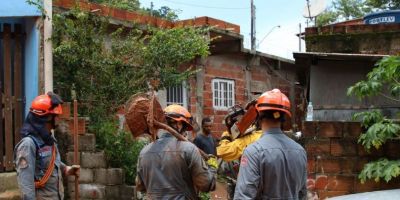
(48, 48)
(199, 89)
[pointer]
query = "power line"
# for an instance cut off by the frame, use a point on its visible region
(211, 7)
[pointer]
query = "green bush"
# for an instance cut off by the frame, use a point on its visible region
(102, 66)
(121, 150)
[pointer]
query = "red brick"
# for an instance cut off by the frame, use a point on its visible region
(311, 165)
(81, 126)
(208, 102)
(330, 129)
(66, 111)
(84, 6)
(368, 186)
(393, 184)
(309, 129)
(352, 129)
(326, 194)
(207, 95)
(348, 165)
(341, 183)
(336, 165)
(340, 147)
(360, 164)
(311, 181)
(317, 147)
(321, 182)
(328, 165)
(208, 111)
(392, 149)
(372, 152)
(339, 29)
(120, 14)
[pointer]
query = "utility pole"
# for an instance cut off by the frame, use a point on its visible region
(151, 8)
(300, 37)
(48, 48)
(253, 27)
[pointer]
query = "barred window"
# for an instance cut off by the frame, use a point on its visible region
(177, 95)
(223, 93)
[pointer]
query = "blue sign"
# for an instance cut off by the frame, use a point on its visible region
(392, 16)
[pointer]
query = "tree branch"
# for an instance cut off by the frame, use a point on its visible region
(396, 81)
(388, 97)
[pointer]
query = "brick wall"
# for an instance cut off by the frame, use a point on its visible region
(335, 159)
(222, 67)
(259, 79)
(364, 39)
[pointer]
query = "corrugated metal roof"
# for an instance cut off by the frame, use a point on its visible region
(342, 56)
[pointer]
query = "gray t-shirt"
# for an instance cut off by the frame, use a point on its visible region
(205, 143)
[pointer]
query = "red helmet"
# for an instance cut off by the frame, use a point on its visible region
(273, 100)
(43, 105)
(180, 114)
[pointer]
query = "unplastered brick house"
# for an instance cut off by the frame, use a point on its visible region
(233, 75)
(230, 75)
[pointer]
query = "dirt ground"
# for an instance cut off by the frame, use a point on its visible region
(220, 191)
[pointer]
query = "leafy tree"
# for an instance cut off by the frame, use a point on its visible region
(134, 5)
(349, 9)
(328, 17)
(121, 4)
(164, 12)
(352, 9)
(104, 69)
(379, 129)
(384, 4)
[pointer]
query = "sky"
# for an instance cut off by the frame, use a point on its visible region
(269, 13)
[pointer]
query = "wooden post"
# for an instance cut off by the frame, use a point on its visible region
(8, 98)
(19, 99)
(76, 147)
(2, 161)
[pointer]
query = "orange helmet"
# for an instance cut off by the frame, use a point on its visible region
(273, 100)
(43, 105)
(179, 113)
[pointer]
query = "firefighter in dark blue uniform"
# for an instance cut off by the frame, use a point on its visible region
(36, 156)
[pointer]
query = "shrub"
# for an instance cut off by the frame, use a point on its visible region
(121, 150)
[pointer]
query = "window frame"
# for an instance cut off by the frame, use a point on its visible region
(184, 95)
(229, 97)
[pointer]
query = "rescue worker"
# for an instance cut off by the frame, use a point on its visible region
(36, 156)
(275, 166)
(230, 151)
(172, 169)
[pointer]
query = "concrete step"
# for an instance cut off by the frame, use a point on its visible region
(88, 191)
(87, 143)
(103, 176)
(88, 159)
(98, 191)
(8, 181)
(11, 195)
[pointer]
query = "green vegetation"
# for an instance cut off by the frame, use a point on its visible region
(102, 66)
(379, 129)
(351, 9)
(131, 5)
(134, 5)
(121, 150)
